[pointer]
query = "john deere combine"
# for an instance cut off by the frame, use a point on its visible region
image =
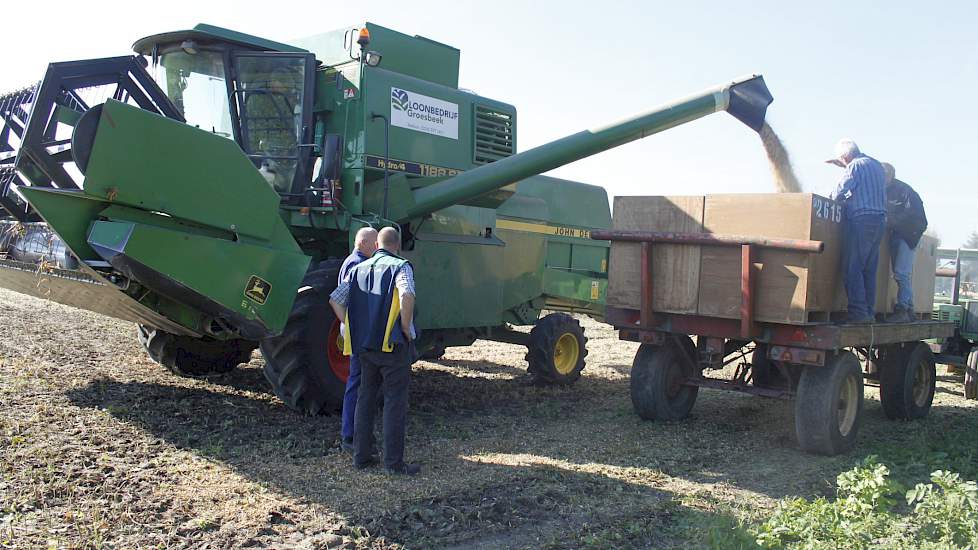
(208, 187)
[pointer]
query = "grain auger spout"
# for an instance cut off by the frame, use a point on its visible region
(746, 99)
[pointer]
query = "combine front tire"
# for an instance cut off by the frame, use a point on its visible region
(194, 357)
(907, 381)
(658, 372)
(556, 349)
(304, 364)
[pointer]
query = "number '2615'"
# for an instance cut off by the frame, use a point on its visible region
(827, 210)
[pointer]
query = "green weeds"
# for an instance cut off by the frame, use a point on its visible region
(873, 511)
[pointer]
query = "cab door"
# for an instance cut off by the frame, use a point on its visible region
(273, 98)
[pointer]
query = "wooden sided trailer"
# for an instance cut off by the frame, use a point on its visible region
(817, 364)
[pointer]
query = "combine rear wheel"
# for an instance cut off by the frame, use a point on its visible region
(194, 357)
(556, 349)
(305, 364)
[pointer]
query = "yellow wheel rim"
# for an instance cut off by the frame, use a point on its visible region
(566, 353)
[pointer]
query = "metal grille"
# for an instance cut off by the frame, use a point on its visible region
(971, 317)
(493, 135)
(947, 313)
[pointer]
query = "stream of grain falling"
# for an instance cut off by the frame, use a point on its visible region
(784, 176)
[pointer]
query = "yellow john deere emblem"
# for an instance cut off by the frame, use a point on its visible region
(258, 289)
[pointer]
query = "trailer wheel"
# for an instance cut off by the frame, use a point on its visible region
(305, 364)
(829, 405)
(764, 373)
(656, 380)
(556, 350)
(907, 381)
(193, 357)
(971, 376)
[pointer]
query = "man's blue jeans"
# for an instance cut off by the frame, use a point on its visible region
(861, 253)
(901, 257)
(350, 398)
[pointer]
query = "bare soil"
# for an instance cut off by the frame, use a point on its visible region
(102, 448)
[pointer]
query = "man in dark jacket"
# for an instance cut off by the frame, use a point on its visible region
(906, 222)
(378, 303)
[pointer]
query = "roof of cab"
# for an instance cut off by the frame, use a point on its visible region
(209, 33)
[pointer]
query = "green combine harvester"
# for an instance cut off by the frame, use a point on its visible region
(208, 188)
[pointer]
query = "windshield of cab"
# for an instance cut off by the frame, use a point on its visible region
(196, 85)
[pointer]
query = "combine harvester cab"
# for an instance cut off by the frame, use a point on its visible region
(210, 202)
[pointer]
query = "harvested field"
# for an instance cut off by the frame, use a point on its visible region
(101, 448)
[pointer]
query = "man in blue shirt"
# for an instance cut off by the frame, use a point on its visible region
(378, 303)
(364, 247)
(862, 191)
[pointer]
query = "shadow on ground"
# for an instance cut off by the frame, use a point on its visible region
(513, 464)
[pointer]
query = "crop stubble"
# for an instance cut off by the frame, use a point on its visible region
(101, 447)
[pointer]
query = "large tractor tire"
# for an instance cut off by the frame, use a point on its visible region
(829, 405)
(971, 376)
(305, 364)
(656, 384)
(556, 350)
(194, 357)
(908, 378)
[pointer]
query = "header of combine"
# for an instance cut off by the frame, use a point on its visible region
(200, 178)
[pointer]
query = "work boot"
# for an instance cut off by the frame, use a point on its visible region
(347, 445)
(364, 465)
(899, 315)
(405, 469)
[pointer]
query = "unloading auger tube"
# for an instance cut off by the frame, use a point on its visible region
(745, 98)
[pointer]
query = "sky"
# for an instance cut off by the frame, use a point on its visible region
(898, 77)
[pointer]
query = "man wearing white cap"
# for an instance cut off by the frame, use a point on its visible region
(862, 191)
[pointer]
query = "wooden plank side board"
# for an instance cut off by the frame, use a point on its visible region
(790, 287)
(675, 268)
(783, 276)
(924, 274)
(826, 291)
(922, 279)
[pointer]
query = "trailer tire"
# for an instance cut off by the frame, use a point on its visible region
(829, 405)
(655, 382)
(908, 377)
(303, 364)
(764, 373)
(194, 357)
(971, 376)
(556, 350)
